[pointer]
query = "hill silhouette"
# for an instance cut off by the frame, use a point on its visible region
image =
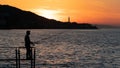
(15, 18)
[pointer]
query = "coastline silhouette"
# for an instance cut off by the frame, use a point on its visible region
(15, 18)
(28, 45)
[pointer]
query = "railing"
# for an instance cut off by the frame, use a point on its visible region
(18, 59)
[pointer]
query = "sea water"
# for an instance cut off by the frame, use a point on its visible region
(74, 47)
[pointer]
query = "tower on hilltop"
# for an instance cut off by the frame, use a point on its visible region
(68, 19)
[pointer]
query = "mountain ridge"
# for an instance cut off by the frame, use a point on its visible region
(15, 18)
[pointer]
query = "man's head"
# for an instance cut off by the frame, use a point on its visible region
(28, 32)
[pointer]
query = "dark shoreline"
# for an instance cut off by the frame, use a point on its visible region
(15, 18)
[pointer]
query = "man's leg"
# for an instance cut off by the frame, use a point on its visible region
(29, 53)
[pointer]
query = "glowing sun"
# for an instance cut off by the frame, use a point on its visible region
(48, 14)
(51, 14)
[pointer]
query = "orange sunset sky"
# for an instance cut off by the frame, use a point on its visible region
(90, 11)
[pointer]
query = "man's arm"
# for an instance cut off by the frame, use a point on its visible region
(32, 43)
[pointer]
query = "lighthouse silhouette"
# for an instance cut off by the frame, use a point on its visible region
(68, 19)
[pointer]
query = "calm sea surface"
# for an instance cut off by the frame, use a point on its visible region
(74, 47)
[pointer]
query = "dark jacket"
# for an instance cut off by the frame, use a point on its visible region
(27, 41)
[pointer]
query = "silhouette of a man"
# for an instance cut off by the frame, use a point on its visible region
(27, 45)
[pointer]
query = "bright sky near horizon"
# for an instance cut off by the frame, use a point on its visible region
(91, 11)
